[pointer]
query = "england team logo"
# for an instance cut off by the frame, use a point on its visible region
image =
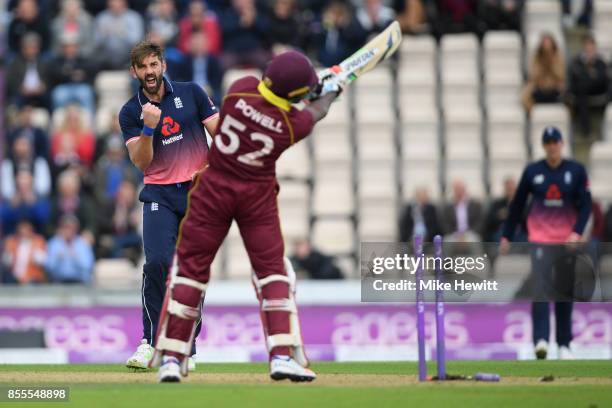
(178, 103)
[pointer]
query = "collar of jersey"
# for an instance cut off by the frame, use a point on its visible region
(274, 99)
(168, 88)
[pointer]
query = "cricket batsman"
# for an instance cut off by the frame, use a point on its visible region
(257, 123)
(163, 127)
(560, 209)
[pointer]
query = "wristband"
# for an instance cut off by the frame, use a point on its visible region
(147, 131)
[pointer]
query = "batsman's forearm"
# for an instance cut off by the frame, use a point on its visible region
(320, 107)
(141, 152)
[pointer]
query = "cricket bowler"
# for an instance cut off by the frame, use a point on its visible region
(163, 127)
(257, 123)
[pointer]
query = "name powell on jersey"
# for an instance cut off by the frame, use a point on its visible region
(169, 130)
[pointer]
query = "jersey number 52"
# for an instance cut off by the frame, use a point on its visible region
(229, 127)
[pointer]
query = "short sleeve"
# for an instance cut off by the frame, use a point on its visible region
(206, 108)
(130, 126)
(303, 123)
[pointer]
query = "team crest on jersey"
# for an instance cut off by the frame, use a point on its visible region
(170, 130)
(178, 103)
(568, 177)
(538, 179)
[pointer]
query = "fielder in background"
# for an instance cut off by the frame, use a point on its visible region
(560, 209)
(258, 122)
(163, 126)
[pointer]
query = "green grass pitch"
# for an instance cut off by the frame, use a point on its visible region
(577, 384)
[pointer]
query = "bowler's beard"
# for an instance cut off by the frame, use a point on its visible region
(151, 89)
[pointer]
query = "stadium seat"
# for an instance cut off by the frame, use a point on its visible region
(377, 181)
(418, 173)
(333, 192)
(607, 125)
(601, 26)
(116, 273)
(468, 170)
(417, 62)
(506, 134)
(420, 139)
(331, 142)
(294, 162)
(549, 115)
(334, 236)
(600, 170)
(378, 221)
(376, 141)
(231, 75)
(463, 134)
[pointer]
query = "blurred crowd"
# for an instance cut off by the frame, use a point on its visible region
(70, 194)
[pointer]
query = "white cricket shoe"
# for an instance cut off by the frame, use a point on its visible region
(191, 364)
(140, 359)
(565, 353)
(282, 367)
(170, 370)
(541, 349)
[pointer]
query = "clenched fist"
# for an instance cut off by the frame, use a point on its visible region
(150, 115)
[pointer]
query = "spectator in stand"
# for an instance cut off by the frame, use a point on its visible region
(71, 201)
(173, 56)
(70, 258)
(73, 141)
(419, 218)
(27, 75)
(121, 237)
(462, 217)
(316, 264)
(163, 20)
(22, 158)
(588, 88)
(25, 254)
(577, 13)
(374, 16)
(25, 129)
(503, 14)
(245, 33)
(287, 29)
(498, 213)
(200, 67)
(117, 30)
(546, 77)
(76, 22)
(112, 169)
(24, 205)
(340, 36)
(411, 15)
(70, 75)
(27, 19)
(457, 16)
(113, 131)
(198, 19)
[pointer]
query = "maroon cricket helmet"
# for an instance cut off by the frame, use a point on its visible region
(290, 75)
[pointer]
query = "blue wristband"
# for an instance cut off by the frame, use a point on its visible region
(147, 131)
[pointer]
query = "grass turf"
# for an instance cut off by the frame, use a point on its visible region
(308, 395)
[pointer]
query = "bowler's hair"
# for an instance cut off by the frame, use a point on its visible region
(143, 49)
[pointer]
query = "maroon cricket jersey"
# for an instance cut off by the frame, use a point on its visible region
(255, 127)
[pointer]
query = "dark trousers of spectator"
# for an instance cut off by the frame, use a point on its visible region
(553, 269)
(546, 96)
(164, 208)
(589, 100)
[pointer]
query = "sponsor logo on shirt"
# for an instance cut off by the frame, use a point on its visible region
(170, 130)
(553, 196)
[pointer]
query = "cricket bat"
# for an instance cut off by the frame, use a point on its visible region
(369, 56)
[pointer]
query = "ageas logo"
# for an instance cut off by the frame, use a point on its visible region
(170, 127)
